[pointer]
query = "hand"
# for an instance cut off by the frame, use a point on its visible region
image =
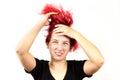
(65, 30)
(45, 18)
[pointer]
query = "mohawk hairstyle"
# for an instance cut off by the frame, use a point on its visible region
(62, 17)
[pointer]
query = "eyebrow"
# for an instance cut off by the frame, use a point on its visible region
(66, 41)
(57, 40)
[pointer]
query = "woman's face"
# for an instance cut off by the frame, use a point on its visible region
(59, 46)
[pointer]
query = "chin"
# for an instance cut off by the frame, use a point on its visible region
(59, 59)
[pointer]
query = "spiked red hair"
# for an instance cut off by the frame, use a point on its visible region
(62, 17)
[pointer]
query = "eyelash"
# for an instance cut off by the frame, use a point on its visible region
(54, 42)
(65, 43)
(57, 42)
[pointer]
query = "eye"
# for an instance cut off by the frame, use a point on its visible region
(66, 43)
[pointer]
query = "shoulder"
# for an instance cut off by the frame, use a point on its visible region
(76, 61)
(41, 62)
(76, 64)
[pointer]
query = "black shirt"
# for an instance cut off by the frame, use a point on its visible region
(74, 70)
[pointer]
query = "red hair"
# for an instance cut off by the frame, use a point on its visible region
(62, 17)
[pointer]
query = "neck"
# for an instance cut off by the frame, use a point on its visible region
(58, 65)
(58, 69)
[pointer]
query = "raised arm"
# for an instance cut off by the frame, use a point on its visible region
(96, 59)
(26, 42)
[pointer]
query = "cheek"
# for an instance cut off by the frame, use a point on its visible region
(52, 46)
(67, 48)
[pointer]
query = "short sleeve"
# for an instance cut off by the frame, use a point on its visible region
(79, 68)
(37, 71)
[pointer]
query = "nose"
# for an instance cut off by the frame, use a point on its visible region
(59, 46)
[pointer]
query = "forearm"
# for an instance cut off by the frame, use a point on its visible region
(28, 39)
(90, 49)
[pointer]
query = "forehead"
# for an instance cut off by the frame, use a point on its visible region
(59, 37)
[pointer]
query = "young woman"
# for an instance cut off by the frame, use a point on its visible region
(61, 39)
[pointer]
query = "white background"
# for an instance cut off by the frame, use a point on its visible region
(98, 20)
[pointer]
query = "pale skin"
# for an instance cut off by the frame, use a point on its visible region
(59, 46)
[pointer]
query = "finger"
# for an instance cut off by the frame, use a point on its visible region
(59, 25)
(58, 30)
(51, 13)
(59, 33)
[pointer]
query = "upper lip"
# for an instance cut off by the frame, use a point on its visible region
(59, 52)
